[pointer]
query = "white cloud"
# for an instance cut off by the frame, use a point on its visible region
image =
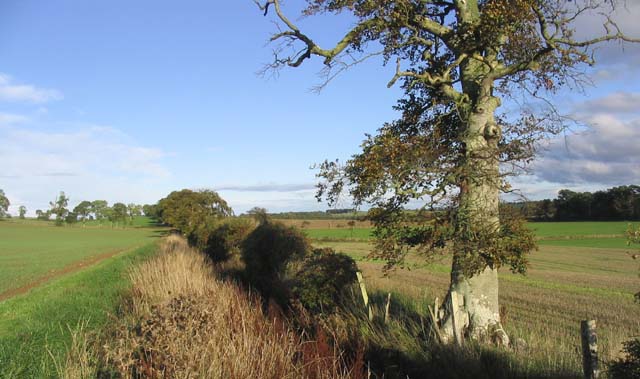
(8, 119)
(83, 152)
(87, 162)
(606, 153)
(270, 187)
(9, 91)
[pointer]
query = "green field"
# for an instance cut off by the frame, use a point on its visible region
(30, 250)
(579, 234)
(35, 329)
(136, 222)
(582, 228)
(73, 275)
(343, 233)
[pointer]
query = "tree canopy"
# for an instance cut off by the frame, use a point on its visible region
(4, 204)
(22, 211)
(99, 208)
(118, 213)
(58, 207)
(187, 209)
(83, 210)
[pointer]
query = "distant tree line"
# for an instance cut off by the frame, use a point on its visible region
(614, 204)
(98, 210)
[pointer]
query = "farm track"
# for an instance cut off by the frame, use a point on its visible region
(54, 274)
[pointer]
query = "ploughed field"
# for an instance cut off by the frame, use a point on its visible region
(582, 270)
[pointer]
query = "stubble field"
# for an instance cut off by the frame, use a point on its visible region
(581, 271)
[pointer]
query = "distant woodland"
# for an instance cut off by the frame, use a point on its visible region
(614, 204)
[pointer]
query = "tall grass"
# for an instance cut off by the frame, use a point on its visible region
(183, 321)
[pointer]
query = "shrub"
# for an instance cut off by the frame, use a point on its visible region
(199, 234)
(322, 279)
(226, 239)
(629, 366)
(267, 251)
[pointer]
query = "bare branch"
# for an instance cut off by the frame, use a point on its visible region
(329, 72)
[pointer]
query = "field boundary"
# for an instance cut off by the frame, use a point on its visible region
(580, 237)
(69, 269)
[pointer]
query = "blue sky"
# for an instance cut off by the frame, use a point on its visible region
(127, 101)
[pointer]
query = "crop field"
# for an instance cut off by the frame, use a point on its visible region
(581, 228)
(53, 279)
(578, 275)
(32, 251)
(551, 233)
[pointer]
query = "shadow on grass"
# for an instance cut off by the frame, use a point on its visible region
(158, 233)
(453, 362)
(406, 347)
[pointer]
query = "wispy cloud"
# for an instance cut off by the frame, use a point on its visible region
(617, 102)
(7, 119)
(268, 187)
(10, 91)
(87, 151)
(58, 174)
(86, 162)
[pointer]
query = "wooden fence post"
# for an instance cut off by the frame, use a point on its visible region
(386, 308)
(455, 308)
(589, 349)
(365, 297)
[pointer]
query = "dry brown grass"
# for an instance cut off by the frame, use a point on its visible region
(184, 322)
(81, 361)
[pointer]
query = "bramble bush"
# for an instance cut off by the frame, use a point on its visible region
(322, 279)
(225, 240)
(267, 251)
(629, 366)
(281, 264)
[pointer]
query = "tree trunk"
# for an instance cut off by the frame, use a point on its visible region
(471, 308)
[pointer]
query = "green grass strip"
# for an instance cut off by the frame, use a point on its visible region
(34, 324)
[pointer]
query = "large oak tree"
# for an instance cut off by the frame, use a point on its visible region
(452, 149)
